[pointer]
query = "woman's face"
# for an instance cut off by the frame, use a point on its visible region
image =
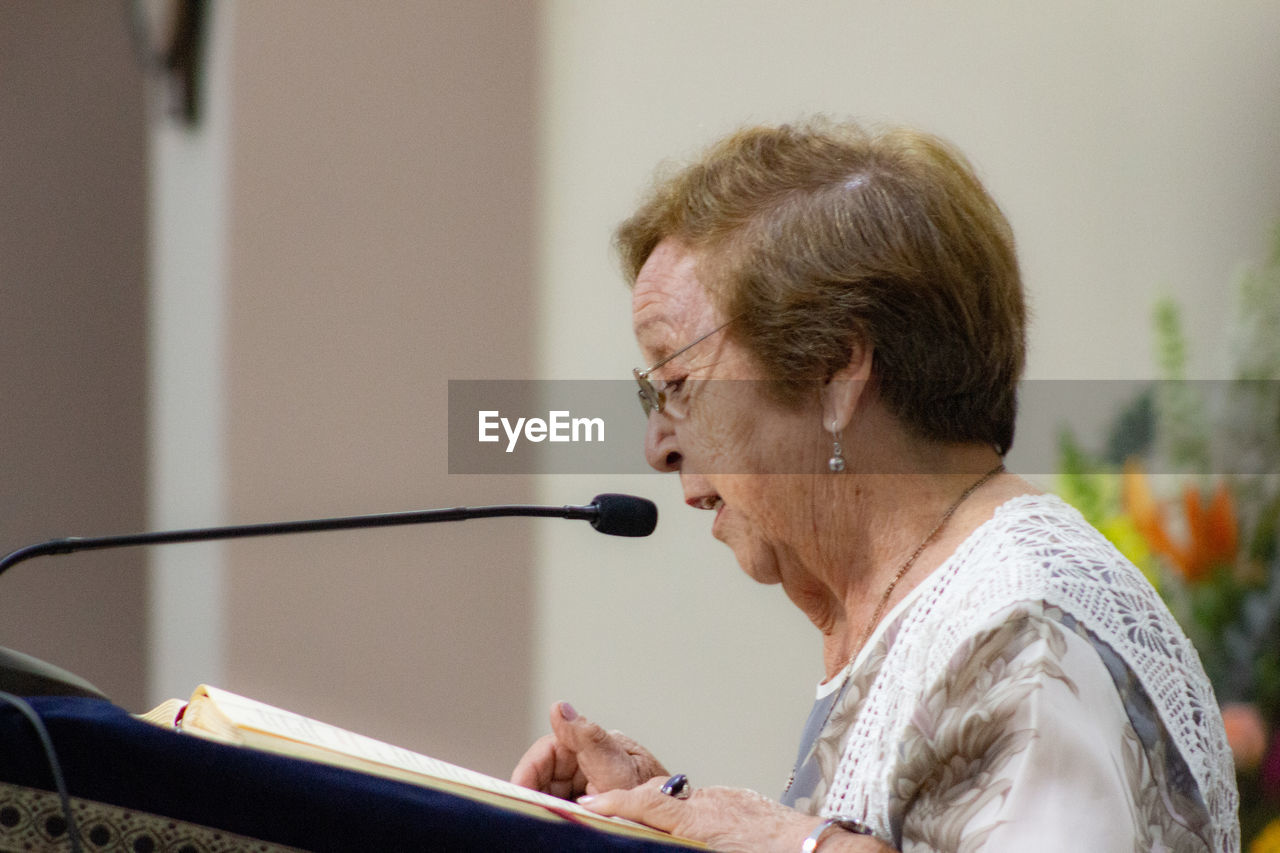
(738, 453)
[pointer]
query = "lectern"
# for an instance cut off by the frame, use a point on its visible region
(138, 787)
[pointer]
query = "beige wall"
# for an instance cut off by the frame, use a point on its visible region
(73, 357)
(380, 243)
(1133, 146)
(373, 240)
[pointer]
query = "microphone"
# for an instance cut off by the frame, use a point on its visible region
(616, 515)
(623, 515)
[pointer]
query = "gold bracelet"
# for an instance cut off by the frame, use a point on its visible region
(857, 827)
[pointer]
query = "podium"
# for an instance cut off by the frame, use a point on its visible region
(138, 787)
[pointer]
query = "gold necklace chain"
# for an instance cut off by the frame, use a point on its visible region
(888, 593)
(924, 543)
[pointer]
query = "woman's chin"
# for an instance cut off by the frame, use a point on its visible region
(754, 556)
(762, 572)
(757, 561)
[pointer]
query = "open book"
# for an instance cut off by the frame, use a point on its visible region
(223, 716)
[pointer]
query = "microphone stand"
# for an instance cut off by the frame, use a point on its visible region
(23, 675)
(72, 544)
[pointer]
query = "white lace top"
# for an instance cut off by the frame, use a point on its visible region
(1033, 693)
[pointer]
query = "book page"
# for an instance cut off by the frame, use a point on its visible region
(249, 714)
(267, 727)
(165, 714)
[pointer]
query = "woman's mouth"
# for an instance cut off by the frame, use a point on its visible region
(711, 502)
(705, 502)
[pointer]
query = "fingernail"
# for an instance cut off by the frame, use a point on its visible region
(586, 798)
(567, 712)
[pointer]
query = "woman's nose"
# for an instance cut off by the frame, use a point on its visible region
(661, 450)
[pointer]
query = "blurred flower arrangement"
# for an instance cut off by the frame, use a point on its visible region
(1188, 487)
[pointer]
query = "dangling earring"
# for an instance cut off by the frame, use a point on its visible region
(836, 462)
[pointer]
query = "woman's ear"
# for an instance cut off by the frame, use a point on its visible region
(847, 389)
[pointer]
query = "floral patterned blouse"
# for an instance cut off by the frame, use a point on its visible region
(1032, 694)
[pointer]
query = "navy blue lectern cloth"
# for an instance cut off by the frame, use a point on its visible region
(108, 756)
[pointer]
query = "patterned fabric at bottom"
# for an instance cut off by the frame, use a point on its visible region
(33, 820)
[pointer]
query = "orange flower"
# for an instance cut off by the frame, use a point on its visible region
(1221, 529)
(1212, 529)
(1148, 515)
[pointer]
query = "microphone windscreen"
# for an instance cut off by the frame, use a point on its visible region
(624, 515)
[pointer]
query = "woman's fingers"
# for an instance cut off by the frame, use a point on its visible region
(580, 756)
(733, 820)
(643, 804)
(607, 759)
(537, 767)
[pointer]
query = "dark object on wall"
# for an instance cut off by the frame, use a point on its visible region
(180, 62)
(183, 58)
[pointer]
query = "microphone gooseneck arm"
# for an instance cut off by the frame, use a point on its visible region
(617, 515)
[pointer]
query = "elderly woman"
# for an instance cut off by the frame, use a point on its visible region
(996, 675)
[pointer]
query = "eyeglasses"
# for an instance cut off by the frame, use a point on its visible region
(651, 399)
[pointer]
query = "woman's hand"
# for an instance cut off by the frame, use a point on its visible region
(619, 777)
(730, 820)
(579, 757)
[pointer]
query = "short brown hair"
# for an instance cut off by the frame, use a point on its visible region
(819, 236)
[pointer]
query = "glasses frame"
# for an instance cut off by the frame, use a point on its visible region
(653, 399)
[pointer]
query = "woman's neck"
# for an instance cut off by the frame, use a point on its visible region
(883, 533)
